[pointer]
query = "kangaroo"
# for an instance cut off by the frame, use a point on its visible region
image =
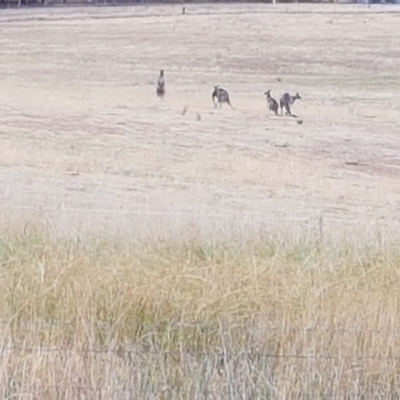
(222, 97)
(272, 103)
(286, 101)
(161, 85)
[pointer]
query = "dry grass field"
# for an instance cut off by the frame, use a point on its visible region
(255, 299)
(82, 129)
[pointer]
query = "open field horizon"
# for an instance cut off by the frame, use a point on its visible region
(85, 141)
(215, 253)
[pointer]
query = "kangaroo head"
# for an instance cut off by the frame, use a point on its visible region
(161, 72)
(297, 96)
(268, 92)
(215, 92)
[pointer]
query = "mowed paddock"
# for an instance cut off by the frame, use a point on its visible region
(230, 253)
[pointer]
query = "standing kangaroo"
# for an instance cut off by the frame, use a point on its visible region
(222, 97)
(272, 103)
(286, 101)
(161, 85)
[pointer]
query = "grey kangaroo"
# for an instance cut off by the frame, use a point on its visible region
(222, 96)
(161, 85)
(272, 103)
(286, 101)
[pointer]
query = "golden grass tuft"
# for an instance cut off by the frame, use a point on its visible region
(265, 318)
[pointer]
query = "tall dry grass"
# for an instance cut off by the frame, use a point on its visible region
(111, 318)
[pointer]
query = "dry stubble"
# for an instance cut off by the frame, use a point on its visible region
(263, 318)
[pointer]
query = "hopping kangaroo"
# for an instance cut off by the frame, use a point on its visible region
(286, 101)
(272, 103)
(222, 96)
(161, 85)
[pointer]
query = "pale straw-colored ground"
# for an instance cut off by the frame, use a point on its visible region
(85, 145)
(82, 130)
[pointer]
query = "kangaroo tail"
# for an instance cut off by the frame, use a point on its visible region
(230, 104)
